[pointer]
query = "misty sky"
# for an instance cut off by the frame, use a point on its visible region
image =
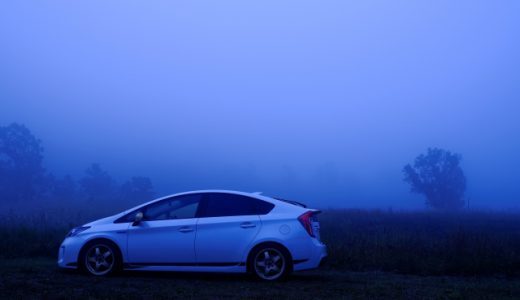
(320, 101)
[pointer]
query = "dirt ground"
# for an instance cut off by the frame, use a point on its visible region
(40, 278)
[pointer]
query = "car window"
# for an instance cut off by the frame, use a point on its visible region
(222, 204)
(180, 207)
(262, 207)
(185, 212)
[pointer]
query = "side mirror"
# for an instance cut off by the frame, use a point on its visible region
(138, 218)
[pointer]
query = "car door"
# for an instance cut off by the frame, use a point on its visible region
(226, 226)
(166, 235)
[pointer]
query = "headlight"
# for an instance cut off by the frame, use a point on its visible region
(77, 230)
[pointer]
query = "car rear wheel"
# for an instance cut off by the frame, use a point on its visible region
(270, 262)
(100, 258)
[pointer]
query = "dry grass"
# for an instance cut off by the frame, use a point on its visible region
(424, 243)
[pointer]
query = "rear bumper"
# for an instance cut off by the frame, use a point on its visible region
(323, 261)
(318, 255)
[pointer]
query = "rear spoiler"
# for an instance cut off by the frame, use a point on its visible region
(291, 202)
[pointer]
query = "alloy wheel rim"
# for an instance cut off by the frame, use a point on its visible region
(99, 259)
(269, 264)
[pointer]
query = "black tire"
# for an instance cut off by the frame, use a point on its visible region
(270, 262)
(100, 258)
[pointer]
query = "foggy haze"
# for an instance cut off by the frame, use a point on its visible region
(318, 101)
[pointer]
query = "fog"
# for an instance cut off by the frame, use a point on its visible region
(318, 101)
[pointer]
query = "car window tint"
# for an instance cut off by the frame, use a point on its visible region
(262, 207)
(185, 212)
(157, 211)
(180, 207)
(222, 204)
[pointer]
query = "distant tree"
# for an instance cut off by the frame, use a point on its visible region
(21, 170)
(97, 184)
(136, 190)
(439, 177)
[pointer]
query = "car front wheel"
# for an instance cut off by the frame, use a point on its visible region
(100, 258)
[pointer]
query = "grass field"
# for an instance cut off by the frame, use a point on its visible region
(424, 243)
(39, 278)
(421, 243)
(373, 254)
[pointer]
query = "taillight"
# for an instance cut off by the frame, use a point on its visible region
(306, 220)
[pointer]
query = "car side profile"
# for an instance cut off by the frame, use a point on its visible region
(200, 231)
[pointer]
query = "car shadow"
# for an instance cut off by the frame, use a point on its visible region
(186, 275)
(312, 275)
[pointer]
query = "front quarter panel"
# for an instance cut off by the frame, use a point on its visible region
(71, 246)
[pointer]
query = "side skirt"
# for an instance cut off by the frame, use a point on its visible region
(190, 266)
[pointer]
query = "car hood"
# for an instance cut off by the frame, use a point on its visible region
(106, 220)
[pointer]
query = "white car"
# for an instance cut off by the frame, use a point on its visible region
(206, 231)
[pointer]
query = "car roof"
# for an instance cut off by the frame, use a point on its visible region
(256, 195)
(253, 195)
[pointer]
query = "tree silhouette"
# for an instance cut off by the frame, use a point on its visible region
(21, 170)
(439, 177)
(97, 184)
(137, 190)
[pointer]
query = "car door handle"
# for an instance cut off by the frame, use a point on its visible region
(247, 225)
(186, 229)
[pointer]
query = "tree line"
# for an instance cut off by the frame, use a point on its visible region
(23, 177)
(437, 175)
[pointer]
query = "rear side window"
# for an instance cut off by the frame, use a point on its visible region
(222, 204)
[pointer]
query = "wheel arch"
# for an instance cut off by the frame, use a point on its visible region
(263, 244)
(94, 240)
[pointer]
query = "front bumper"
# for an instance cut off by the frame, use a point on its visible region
(68, 253)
